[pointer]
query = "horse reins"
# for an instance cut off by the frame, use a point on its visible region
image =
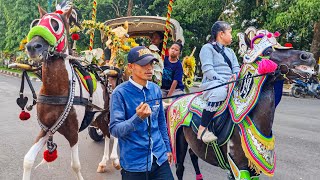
(223, 84)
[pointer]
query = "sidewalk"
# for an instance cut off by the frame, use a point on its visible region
(287, 90)
(17, 74)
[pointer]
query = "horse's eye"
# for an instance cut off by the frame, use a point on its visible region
(54, 24)
(267, 52)
(34, 23)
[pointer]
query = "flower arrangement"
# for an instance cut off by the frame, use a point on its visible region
(22, 56)
(118, 40)
(189, 67)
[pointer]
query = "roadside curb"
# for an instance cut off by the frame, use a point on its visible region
(15, 74)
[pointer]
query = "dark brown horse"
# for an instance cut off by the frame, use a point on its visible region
(57, 106)
(291, 64)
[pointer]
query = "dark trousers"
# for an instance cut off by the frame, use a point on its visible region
(162, 172)
(206, 117)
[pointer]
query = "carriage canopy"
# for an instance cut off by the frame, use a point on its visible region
(144, 26)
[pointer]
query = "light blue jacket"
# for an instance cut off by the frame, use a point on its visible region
(132, 131)
(216, 71)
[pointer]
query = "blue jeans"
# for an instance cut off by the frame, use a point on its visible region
(157, 172)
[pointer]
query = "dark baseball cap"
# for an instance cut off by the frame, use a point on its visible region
(141, 55)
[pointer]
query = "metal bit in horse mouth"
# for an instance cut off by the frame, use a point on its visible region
(306, 69)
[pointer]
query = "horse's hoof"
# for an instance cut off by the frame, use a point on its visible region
(101, 169)
(116, 164)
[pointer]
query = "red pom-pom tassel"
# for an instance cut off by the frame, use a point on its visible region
(75, 36)
(49, 157)
(24, 116)
(59, 12)
(267, 66)
(269, 35)
(287, 45)
(276, 34)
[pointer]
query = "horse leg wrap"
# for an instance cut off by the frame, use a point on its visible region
(179, 170)
(238, 174)
(243, 175)
(254, 177)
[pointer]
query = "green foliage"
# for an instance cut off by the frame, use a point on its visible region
(196, 18)
(294, 19)
(17, 18)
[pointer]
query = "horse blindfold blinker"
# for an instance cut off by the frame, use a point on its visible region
(51, 28)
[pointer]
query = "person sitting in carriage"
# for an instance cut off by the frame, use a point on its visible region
(157, 40)
(172, 74)
(219, 63)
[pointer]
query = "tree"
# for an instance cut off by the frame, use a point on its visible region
(17, 18)
(3, 26)
(304, 18)
(130, 6)
(196, 18)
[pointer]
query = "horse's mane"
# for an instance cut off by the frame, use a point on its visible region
(74, 18)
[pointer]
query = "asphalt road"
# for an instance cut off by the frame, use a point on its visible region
(296, 127)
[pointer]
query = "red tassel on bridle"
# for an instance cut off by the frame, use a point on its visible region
(59, 12)
(75, 36)
(49, 157)
(51, 153)
(24, 115)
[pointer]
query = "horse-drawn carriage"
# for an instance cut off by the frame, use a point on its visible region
(74, 93)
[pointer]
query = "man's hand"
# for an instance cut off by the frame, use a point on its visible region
(143, 110)
(170, 158)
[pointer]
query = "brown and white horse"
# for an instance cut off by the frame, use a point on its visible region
(60, 84)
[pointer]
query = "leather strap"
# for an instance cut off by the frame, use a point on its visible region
(219, 50)
(62, 100)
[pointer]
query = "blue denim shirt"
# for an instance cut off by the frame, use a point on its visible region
(132, 131)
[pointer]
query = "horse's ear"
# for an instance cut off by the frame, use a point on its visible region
(247, 40)
(41, 11)
(68, 13)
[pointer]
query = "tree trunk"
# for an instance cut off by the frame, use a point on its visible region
(130, 5)
(315, 46)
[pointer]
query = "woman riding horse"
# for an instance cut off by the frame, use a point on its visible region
(256, 129)
(218, 64)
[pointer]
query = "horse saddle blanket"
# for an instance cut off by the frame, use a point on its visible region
(88, 80)
(246, 92)
(187, 111)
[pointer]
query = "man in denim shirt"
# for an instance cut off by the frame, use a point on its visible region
(130, 122)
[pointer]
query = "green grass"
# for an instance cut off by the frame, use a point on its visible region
(31, 74)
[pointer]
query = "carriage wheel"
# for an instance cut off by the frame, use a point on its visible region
(95, 133)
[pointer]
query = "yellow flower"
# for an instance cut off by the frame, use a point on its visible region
(23, 42)
(189, 65)
(74, 29)
(188, 82)
(134, 44)
(125, 48)
(21, 47)
(101, 26)
(115, 39)
(130, 40)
